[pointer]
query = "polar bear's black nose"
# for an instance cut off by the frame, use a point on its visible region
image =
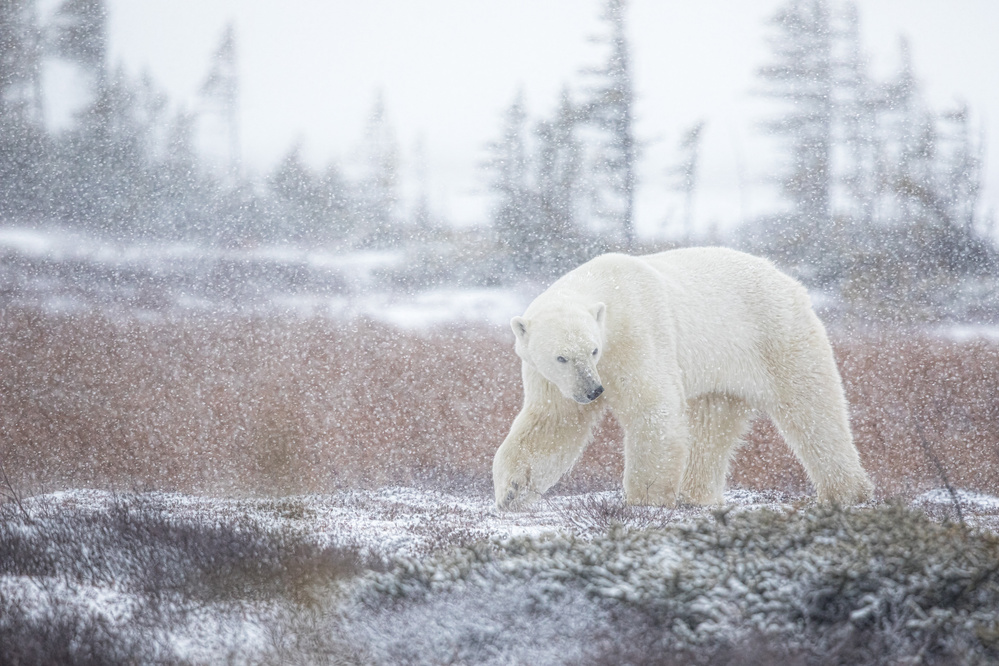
(595, 393)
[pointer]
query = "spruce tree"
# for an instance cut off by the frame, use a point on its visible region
(684, 174)
(609, 109)
(220, 99)
(379, 183)
(23, 143)
(514, 214)
(558, 190)
(801, 75)
(81, 35)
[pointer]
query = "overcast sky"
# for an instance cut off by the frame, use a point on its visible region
(310, 70)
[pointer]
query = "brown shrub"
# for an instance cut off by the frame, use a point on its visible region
(247, 404)
(918, 402)
(268, 405)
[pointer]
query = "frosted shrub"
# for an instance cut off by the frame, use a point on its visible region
(821, 584)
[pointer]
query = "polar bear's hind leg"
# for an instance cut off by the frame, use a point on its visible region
(810, 411)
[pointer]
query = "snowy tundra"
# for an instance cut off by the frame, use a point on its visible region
(681, 346)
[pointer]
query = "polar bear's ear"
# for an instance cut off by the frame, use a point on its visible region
(519, 326)
(599, 311)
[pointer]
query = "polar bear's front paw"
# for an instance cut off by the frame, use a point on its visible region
(511, 494)
(518, 496)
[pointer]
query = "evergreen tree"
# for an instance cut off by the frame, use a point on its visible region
(20, 63)
(106, 184)
(802, 76)
(610, 110)
(310, 207)
(80, 36)
(183, 194)
(514, 213)
(104, 177)
(378, 202)
(23, 143)
(220, 97)
(426, 223)
(932, 174)
(685, 173)
(336, 209)
(558, 189)
(961, 162)
(858, 139)
(291, 184)
(882, 189)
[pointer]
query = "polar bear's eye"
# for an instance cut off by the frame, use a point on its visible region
(595, 352)
(562, 359)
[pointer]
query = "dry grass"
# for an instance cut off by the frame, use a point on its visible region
(251, 405)
(246, 404)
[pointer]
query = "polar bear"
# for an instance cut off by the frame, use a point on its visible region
(682, 347)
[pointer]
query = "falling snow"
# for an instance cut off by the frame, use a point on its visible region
(248, 411)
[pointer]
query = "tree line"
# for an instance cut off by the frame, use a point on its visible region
(880, 190)
(873, 182)
(128, 166)
(565, 188)
(862, 155)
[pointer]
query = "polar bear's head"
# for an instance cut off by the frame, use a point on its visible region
(564, 344)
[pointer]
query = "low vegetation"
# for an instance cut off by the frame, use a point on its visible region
(97, 577)
(813, 585)
(130, 579)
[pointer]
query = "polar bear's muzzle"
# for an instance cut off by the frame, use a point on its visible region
(589, 395)
(588, 389)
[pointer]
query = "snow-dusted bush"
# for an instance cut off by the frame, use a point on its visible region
(818, 584)
(131, 579)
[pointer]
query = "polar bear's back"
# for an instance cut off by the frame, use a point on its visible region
(710, 291)
(726, 314)
(726, 289)
(703, 270)
(736, 312)
(705, 277)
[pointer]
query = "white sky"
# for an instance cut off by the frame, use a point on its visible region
(448, 69)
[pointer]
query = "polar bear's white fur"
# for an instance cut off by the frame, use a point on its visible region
(681, 346)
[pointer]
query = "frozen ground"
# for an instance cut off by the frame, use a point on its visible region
(64, 272)
(406, 575)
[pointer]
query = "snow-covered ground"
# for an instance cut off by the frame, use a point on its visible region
(61, 271)
(409, 575)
